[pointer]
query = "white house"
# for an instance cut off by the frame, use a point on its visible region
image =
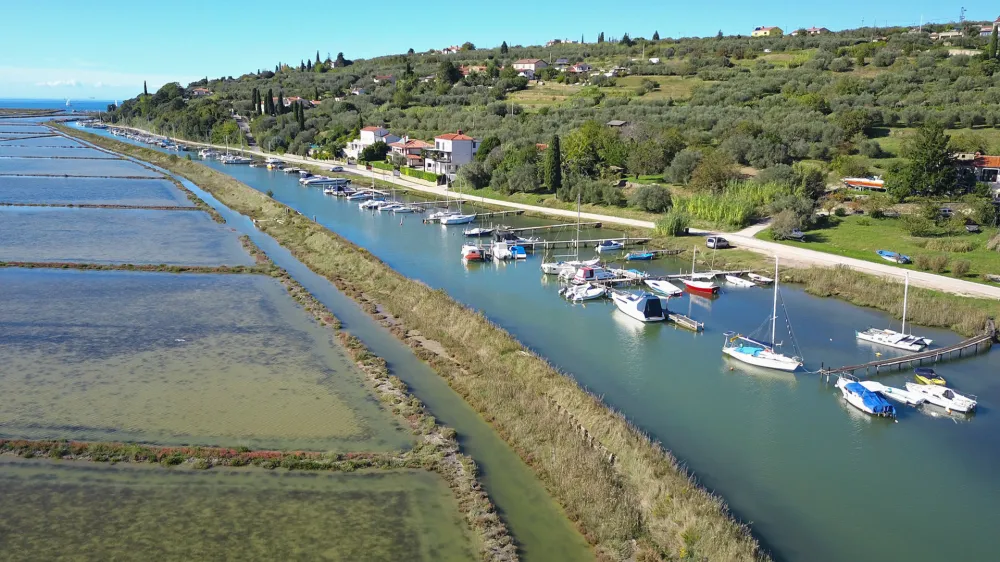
(580, 68)
(450, 151)
(534, 65)
(527, 73)
(368, 137)
(654, 60)
(412, 150)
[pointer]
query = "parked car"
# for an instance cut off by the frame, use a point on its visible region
(717, 242)
(337, 169)
(972, 226)
(946, 212)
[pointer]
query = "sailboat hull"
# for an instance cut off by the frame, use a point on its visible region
(770, 361)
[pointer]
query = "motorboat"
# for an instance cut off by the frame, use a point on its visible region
(701, 285)
(371, 204)
(760, 353)
(634, 274)
(893, 256)
(518, 252)
(863, 399)
(609, 246)
(389, 205)
(501, 251)
(272, 160)
(640, 256)
(207, 153)
(557, 267)
(926, 375)
(291, 170)
(944, 397)
(585, 292)
(760, 279)
(645, 307)
(471, 252)
(457, 219)
(665, 287)
(892, 338)
(406, 209)
(897, 394)
(478, 232)
(588, 274)
(360, 196)
(739, 281)
(236, 159)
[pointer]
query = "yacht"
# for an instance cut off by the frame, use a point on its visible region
(892, 338)
(645, 307)
(944, 397)
(863, 399)
(585, 292)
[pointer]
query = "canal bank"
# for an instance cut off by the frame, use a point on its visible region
(785, 452)
(639, 499)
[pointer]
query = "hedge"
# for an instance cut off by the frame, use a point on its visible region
(426, 176)
(382, 166)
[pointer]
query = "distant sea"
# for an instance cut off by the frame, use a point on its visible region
(79, 105)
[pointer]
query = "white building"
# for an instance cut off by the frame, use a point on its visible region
(534, 65)
(369, 136)
(450, 151)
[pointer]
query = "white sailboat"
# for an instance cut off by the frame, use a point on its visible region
(892, 338)
(558, 267)
(761, 354)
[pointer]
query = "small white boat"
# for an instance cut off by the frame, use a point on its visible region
(609, 246)
(360, 196)
(371, 204)
(478, 232)
(944, 397)
(207, 153)
(501, 251)
(863, 399)
(438, 215)
(665, 287)
(291, 170)
(760, 279)
(556, 268)
(405, 209)
(389, 206)
(457, 219)
(739, 281)
(588, 274)
(897, 394)
(645, 307)
(272, 160)
(586, 292)
(892, 338)
(472, 252)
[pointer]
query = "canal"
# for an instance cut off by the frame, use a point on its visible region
(816, 479)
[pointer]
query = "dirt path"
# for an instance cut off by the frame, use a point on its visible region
(790, 255)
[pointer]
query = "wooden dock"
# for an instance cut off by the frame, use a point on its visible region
(552, 226)
(685, 322)
(971, 346)
(711, 273)
(553, 244)
(499, 213)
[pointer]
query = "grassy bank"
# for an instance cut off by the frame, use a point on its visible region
(627, 495)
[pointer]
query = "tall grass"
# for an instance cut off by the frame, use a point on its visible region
(639, 505)
(739, 204)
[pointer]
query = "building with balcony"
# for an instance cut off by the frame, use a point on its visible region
(449, 153)
(368, 137)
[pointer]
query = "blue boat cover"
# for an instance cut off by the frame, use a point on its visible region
(640, 256)
(749, 350)
(872, 400)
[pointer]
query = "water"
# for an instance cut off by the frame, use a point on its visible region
(44, 142)
(91, 191)
(87, 511)
(74, 105)
(816, 480)
(224, 360)
(66, 167)
(7, 151)
(137, 236)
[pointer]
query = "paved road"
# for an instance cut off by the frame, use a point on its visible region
(791, 255)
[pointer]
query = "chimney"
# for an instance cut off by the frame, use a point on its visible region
(460, 131)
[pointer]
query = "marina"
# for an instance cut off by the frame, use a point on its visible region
(650, 374)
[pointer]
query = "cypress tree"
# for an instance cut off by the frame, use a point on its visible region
(316, 92)
(317, 57)
(656, 36)
(503, 48)
(600, 37)
(269, 102)
(281, 103)
(553, 165)
(991, 49)
(302, 116)
(145, 92)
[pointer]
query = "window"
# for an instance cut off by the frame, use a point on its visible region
(990, 176)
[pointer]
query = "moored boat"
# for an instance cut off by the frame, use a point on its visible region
(645, 307)
(640, 256)
(701, 286)
(609, 246)
(863, 399)
(665, 287)
(739, 281)
(926, 375)
(457, 219)
(471, 252)
(478, 232)
(892, 338)
(944, 397)
(760, 279)
(893, 256)
(585, 292)
(588, 274)
(897, 394)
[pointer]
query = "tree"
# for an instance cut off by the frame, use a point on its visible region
(486, 147)
(408, 73)
(930, 169)
(626, 40)
(269, 103)
(410, 51)
(553, 165)
(301, 115)
(145, 91)
(341, 61)
(317, 56)
(784, 223)
(991, 48)
(714, 171)
(651, 198)
(281, 103)
(656, 36)
(374, 152)
(600, 37)
(682, 166)
(503, 48)
(448, 73)
(468, 46)
(316, 92)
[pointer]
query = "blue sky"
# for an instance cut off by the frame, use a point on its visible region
(56, 49)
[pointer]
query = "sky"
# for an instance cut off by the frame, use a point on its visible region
(83, 49)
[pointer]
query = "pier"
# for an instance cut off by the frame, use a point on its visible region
(553, 244)
(553, 226)
(970, 346)
(685, 321)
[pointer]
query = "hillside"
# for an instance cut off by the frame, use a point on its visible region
(797, 112)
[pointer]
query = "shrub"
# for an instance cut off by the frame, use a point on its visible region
(682, 166)
(270, 193)
(840, 212)
(949, 245)
(885, 57)
(383, 166)
(864, 221)
(939, 264)
(916, 225)
(674, 223)
(922, 262)
(842, 64)
(651, 198)
(876, 205)
(961, 268)
(784, 223)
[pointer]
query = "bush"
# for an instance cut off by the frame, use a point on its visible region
(938, 263)
(961, 268)
(674, 223)
(784, 223)
(840, 212)
(383, 166)
(916, 225)
(682, 166)
(651, 198)
(876, 205)
(994, 243)
(885, 57)
(922, 262)
(870, 148)
(427, 176)
(842, 64)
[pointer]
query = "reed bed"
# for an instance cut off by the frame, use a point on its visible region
(628, 496)
(739, 204)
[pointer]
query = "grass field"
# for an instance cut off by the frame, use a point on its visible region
(859, 237)
(671, 87)
(892, 139)
(551, 93)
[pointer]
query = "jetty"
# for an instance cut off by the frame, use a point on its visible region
(553, 244)
(710, 273)
(685, 321)
(527, 229)
(971, 346)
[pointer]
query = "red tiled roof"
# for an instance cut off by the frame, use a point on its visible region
(413, 156)
(528, 61)
(371, 129)
(986, 162)
(454, 137)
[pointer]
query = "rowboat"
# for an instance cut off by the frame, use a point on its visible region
(699, 286)
(760, 279)
(640, 256)
(665, 287)
(739, 281)
(893, 256)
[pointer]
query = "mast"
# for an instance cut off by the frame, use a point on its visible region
(578, 226)
(694, 252)
(906, 293)
(774, 311)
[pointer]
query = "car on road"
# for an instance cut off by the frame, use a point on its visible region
(717, 242)
(337, 169)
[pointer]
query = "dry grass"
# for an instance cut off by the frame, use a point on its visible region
(638, 505)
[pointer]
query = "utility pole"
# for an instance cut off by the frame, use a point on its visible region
(961, 16)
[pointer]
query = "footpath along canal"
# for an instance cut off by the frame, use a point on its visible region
(816, 479)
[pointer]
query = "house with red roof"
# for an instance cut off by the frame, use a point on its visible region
(764, 31)
(200, 92)
(368, 137)
(412, 150)
(450, 151)
(534, 65)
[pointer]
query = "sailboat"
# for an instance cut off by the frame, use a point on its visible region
(699, 284)
(569, 267)
(892, 338)
(755, 352)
